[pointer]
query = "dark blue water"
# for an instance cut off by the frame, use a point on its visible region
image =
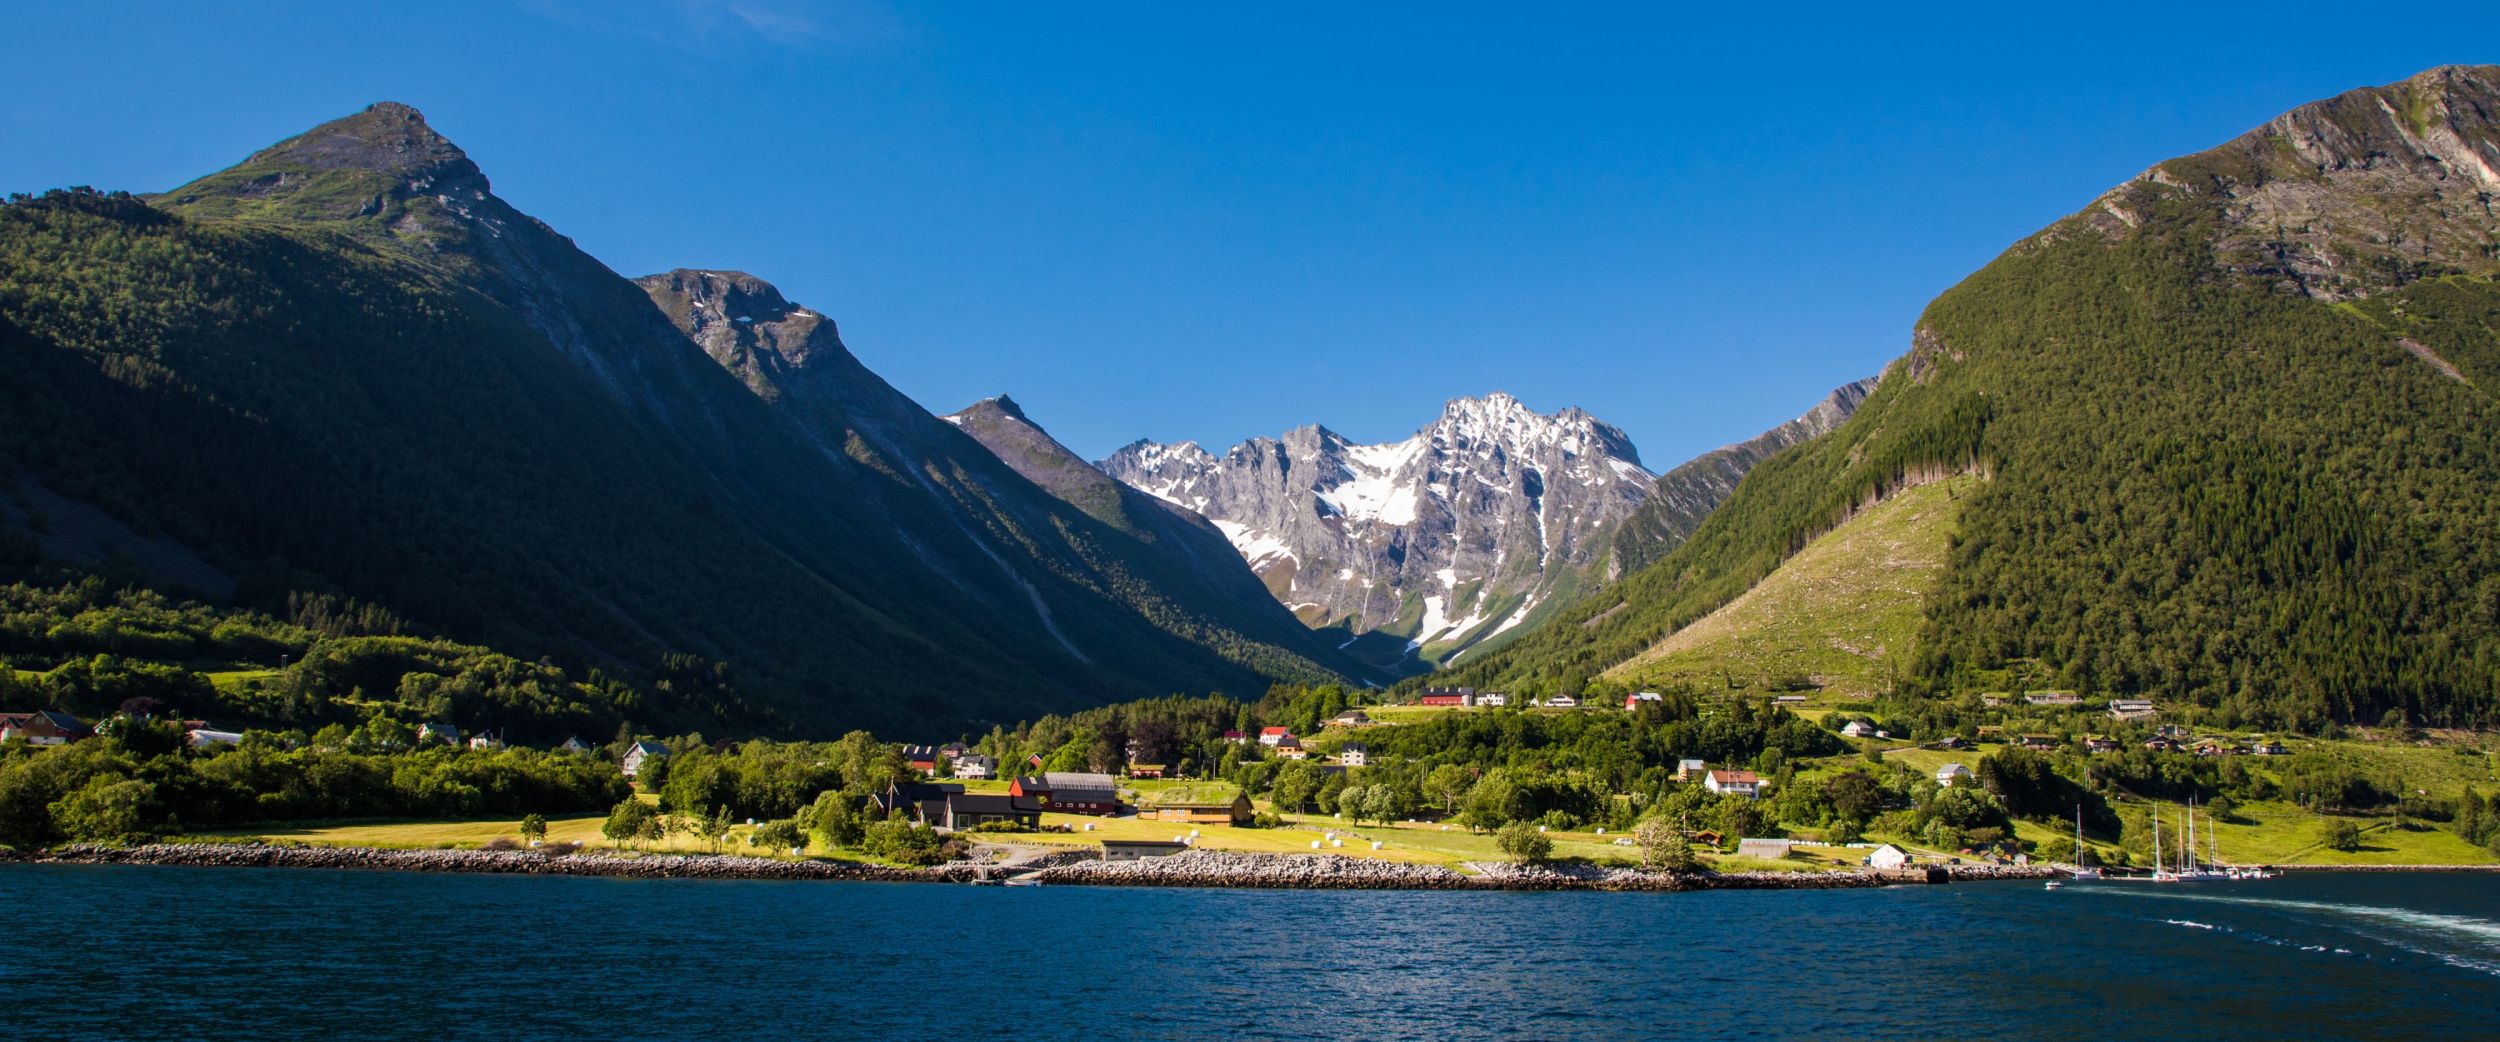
(169, 953)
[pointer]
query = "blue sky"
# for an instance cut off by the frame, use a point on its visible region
(1216, 221)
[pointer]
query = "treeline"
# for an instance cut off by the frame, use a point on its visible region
(140, 779)
(90, 647)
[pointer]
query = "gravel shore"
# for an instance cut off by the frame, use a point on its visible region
(1195, 868)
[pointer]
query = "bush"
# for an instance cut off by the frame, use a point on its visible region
(783, 834)
(2342, 835)
(1523, 842)
(904, 842)
(501, 843)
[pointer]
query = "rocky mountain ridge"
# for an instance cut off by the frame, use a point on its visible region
(1447, 538)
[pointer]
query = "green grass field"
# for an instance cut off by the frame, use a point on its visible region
(1838, 611)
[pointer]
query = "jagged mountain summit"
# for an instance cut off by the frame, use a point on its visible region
(1463, 532)
(345, 367)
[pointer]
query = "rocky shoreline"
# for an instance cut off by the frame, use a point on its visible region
(1195, 868)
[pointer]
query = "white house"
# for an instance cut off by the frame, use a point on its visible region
(486, 740)
(1953, 774)
(1271, 736)
(642, 751)
(1888, 856)
(444, 733)
(202, 738)
(1562, 702)
(1493, 698)
(1740, 783)
(1857, 729)
(1353, 754)
(974, 766)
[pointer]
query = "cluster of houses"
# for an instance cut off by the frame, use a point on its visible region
(960, 760)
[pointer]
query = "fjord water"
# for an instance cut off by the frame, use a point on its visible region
(132, 953)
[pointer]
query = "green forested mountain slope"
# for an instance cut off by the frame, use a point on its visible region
(345, 367)
(2237, 421)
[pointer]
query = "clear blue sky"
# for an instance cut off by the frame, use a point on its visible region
(1215, 221)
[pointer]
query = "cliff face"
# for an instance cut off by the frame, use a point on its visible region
(2368, 190)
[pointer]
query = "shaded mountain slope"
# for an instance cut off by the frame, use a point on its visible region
(345, 366)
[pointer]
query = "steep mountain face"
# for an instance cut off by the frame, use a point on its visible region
(2236, 428)
(1179, 554)
(345, 367)
(1454, 536)
(1686, 495)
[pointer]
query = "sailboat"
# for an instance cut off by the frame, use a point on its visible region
(2188, 871)
(2082, 872)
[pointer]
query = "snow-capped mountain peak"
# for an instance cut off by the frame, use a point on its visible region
(1444, 538)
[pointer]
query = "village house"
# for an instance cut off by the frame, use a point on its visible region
(1888, 857)
(2161, 744)
(1788, 700)
(1070, 792)
(1235, 811)
(2053, 698)
(573, 746)
(1562, 702)
(1740, 783)
(1857, 729)
(1992, 699)
(1274, 735)
(443, 733)
(1145, 770)
(1353, 754)
(974, 766)
(2099, 744)
(1291, 749)
(1634, 700)
(1352, 718)
(1953, 774)
(1492, 699)
(1447, 696)
(43, 727)
(963, 810)
(922, 758)
(2040, 742)
(1953, 741)
(641, 752)
(1689, 769)
(923, 802)
(1236, 737)
(486, 741)
(1774, 849)
(2267, 747)
(2131, 708)
(952, 750)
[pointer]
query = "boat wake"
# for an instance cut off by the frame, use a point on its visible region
(2462, 941)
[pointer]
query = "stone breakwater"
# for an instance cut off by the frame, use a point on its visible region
(1195, 868)
(495, 862)
(1212, 868)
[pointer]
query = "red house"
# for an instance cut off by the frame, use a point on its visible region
(1447, 696)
